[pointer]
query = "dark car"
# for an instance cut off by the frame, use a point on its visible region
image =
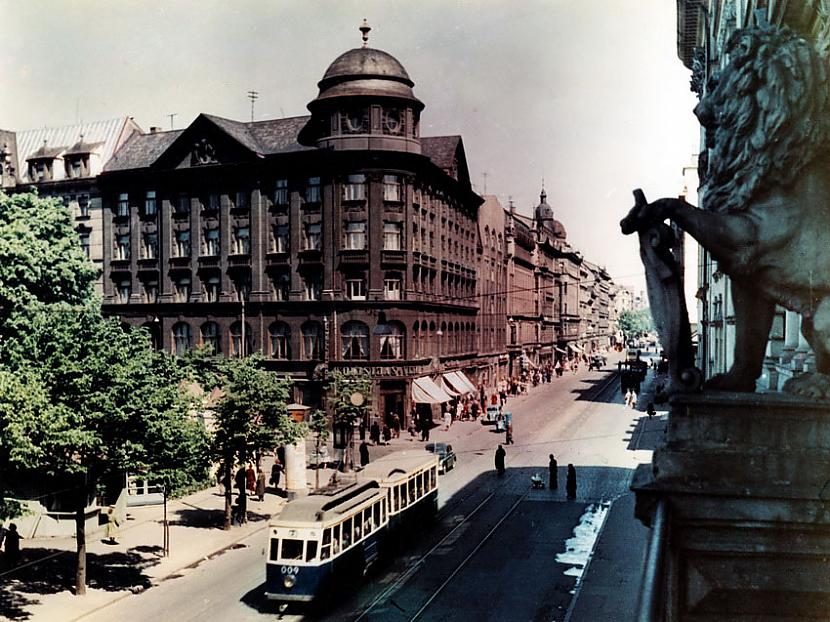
(446, 456)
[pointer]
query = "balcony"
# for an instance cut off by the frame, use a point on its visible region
(350, 257)
(235, 261)
(120, 265)
(180, 260)
(310, 256)
(148, 264)
(273, 260)
(393, 258)
(209, 261)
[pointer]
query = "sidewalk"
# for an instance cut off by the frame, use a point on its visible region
(134, 564)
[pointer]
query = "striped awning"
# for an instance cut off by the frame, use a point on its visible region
(425, 391)
(459, 382)
(575, 348)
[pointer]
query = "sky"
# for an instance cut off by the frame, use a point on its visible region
(588, 95)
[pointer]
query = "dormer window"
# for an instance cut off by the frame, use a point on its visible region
(75, 167)
(40, 170)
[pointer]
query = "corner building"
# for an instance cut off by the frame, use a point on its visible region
(337, 240)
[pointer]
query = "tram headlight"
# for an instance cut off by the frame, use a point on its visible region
(289, 581)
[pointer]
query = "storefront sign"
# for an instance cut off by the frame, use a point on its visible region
(388, 372)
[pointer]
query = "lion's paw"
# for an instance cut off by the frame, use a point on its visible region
(730, 382)
(809, 384)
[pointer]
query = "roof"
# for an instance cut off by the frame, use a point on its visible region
(261, 137)
(395, 466)
(316, 507)
(365, 62)
(105, 133)
(440, 149)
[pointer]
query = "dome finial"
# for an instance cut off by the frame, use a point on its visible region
(544, 194)
(364, 29)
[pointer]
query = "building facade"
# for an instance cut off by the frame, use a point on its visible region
(338, 240)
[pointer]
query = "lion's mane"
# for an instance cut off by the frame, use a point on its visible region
(766, 114)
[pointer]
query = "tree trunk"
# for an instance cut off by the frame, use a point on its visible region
(80, 537)
(228, 467)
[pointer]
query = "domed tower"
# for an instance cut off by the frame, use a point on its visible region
(365, 102)
(545, 222)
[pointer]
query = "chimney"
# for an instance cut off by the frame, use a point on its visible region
(154, 129)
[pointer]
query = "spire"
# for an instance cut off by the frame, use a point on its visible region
(543, 195)
(364, 29)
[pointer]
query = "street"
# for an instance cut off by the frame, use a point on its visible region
(498, 550)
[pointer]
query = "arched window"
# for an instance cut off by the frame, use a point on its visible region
(154, 330)
(182, 338)
(236, 339)
(391, 340)
(355, 341)
(210, 337)
(279, 334)
(312, 341)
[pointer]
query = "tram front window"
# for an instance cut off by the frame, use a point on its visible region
(275, 549)
(311, 550)
(292, 549)
(325, 551)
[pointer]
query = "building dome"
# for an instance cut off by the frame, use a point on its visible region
(366, 72)
(545, 220)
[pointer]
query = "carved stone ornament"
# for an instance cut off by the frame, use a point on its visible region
(766, 198)
(203, 153)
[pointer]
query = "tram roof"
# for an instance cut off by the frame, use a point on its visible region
(316, 508)
(396, 466)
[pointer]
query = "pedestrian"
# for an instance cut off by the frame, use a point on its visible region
(459, 410)
(112, 526)
(396, 425)
(425, 426)
(361, 430)
(628, 397)
(500, 453)
(250, 478)
(364, 454)
(387, 434)
(650, 410)
(374, 433)
(570, 484)
(447, 420)
(12, 542)
(260, 484)
(240, 479)
(281, 454)
(508, 434)
(474, 411)
(634, 400)
(553, 475)
(276, 472)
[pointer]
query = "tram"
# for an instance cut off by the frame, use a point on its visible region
(321, 538)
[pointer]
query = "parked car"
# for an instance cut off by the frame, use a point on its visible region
(446, 456)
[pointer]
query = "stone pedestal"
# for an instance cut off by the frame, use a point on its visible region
(745, 483)
(296, 480)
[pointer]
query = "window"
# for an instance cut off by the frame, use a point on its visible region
(182, 339)
(312, 341)
(74, 167)
(310, 550)
(123, 208)
(355, 341)
(123, 289)
(281, 192)
(151, 291)
(242, 287)
(237, 339)
(181, 244)
(212, 203)
(241, 200)
(355, 235)
(212, 289)
(281, 285)
(83, 205)
(313, 287)
(183, 205)
(312, 190)
(149, 245)
(211, 247)
(280, 336)
(182, 289)
(150, 203)
(392, 236)
(311, 236)
(122, 247)
(355, 188)
(356, 289)
(392, 289)
(391, 188)
(84, 236)
(210, 337)
(241, 241)
(279, 240)
(391, 340)
(292, 549)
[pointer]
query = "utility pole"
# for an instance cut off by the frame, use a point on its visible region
(171, 115)
(484, 175)
(253, 96)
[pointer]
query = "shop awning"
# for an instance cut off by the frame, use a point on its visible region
(459, 382)
(444, 384)
(560, 350)
(575, 348)
(425, 391)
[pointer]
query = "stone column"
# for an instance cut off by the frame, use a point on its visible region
(296, 482)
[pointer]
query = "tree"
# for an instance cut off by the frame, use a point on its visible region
(318, 425)
(250, 417)
(634, 322)
(350, 402)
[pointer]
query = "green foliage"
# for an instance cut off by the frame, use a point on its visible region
(318, 424)
(251, 415)
(343, 385)
(634, 322)
(42, 260)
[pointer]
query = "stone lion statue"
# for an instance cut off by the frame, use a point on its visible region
(765, 197)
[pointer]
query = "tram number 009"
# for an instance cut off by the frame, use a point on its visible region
(289, 569)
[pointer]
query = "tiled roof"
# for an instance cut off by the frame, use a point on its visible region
(440, 149)
(261, 137)
(105, 132)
